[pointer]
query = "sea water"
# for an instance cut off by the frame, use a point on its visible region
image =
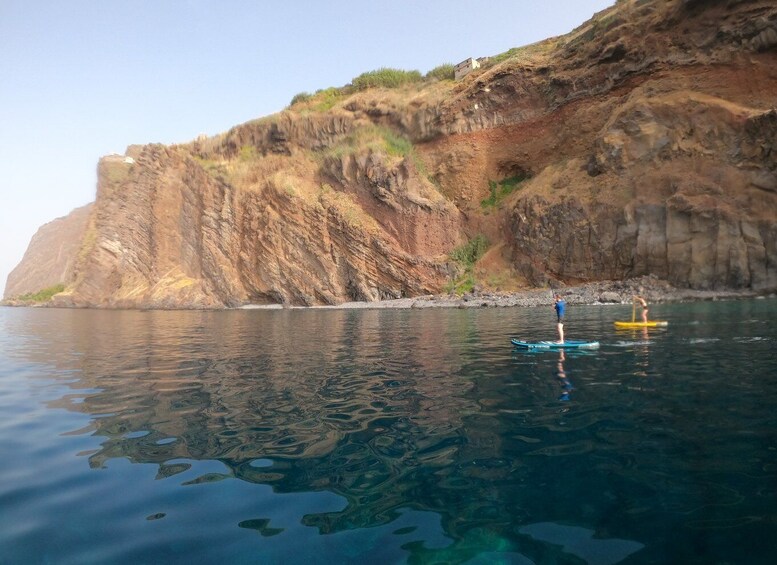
(388, 436)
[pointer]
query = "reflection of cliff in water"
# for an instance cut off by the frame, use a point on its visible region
(348, 401)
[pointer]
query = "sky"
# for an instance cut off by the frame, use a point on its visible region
(80, 79)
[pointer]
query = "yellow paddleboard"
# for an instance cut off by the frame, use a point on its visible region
(654, 324)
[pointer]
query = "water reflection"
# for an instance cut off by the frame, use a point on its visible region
(639, 341)
(582, 543)
(563, 379)
(422, 422)
(339, 401)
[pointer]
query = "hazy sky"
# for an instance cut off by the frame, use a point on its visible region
(84, 78)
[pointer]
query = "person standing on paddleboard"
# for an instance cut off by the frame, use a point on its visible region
(643, 303)
(560, 305)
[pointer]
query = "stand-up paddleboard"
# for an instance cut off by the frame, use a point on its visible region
(649, 324)
(568, 344)
(634, 323)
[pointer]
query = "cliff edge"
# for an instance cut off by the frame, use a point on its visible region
(642, 143)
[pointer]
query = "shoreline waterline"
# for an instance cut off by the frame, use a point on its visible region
(591, 294)
(654, 290)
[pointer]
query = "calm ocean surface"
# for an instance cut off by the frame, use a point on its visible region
(388, 436)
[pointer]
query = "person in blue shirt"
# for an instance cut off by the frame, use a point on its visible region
(560, 305)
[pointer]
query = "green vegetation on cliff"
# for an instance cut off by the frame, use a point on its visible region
(326, 98)
(43, 295)
(372, 138)
(499, 190)
(466, 256)
(322, 101)
(385, 78)
(446, 71)
(300, 97)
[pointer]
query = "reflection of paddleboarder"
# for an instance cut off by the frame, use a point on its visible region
(560, 305)
(641, 361)
(566, 386)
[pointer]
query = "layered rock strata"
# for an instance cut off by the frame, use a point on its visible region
(642, 143)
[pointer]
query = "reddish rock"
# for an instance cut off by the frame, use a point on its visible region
(647, 136)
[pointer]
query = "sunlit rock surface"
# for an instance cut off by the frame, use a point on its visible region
(642, 143)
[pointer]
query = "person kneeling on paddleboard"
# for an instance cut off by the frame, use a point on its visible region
(560, 305)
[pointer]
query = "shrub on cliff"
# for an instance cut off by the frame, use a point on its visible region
(42, 295)
(466, 256)
(469, 253)
(386, 78)
(326, 98)
(321, 101)
(499, 190)
(300, 97)
(396, 144)
(445, 71)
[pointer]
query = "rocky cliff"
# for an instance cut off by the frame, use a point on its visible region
(644, 142)
(51, 254)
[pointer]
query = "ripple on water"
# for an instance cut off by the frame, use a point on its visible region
(223, 436)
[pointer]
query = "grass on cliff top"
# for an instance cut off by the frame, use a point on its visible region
(525, 53)
(385, 78)
(321, 101)
(446, 71)
(43, 295)
(324, 99)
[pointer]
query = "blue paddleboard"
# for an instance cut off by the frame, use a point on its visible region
(568, 344)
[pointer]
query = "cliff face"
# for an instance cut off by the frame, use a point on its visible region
(50, 256)
(651, 136)
(201, 227)
(644, 142)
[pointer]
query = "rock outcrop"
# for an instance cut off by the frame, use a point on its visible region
(51, 255)
(172, 229)
(642, 143)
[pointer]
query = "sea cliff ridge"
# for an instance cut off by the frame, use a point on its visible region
(642, 144)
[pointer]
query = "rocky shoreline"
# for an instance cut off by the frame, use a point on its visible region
(654, 290)
(651, 288)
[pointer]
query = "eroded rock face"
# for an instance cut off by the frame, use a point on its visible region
(664, 147)
(169, 234)
(645, 141)
(50, 256)
(688, 245)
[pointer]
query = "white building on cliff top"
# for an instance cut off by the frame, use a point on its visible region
(465, 67)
